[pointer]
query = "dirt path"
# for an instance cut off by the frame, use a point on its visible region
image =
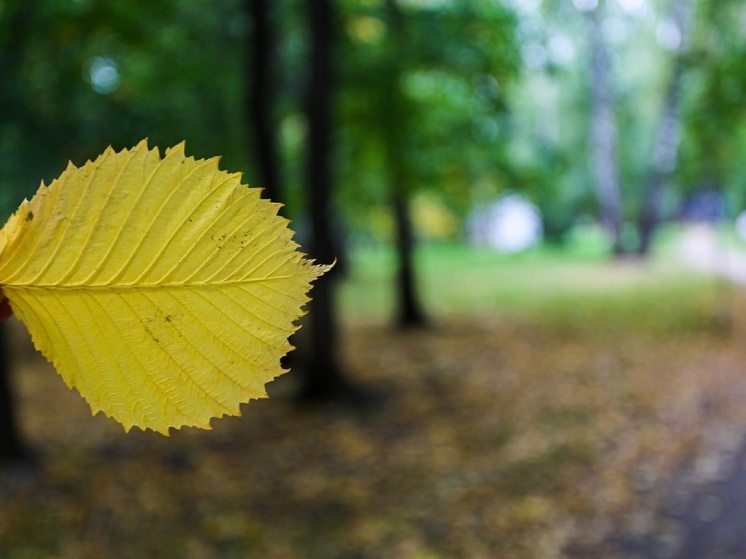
(700, 248)
(705, 515)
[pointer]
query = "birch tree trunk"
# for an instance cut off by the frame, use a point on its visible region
(604, 136)
(668, 136)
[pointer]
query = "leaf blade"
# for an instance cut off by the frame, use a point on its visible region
(155, 296)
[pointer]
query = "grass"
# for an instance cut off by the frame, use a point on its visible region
(574, 285)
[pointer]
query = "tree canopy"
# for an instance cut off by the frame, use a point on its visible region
(488, 97)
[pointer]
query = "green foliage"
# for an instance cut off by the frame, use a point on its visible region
(78, 76)
(446, 94)
(715, 125)
(574, 287)
(423, 101)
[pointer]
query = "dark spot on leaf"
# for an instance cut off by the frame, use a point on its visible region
(29, 216)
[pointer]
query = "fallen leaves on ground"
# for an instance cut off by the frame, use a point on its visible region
(499, 437)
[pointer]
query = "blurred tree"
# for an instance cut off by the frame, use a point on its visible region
(11, 446)
(397, 129)
(668, 135)
(262, 98)
(605, 163)
(421, 112)
(321, 372)
(549, 116)
(78, 76)
(714, 115)
(19, 122)
(639, 61)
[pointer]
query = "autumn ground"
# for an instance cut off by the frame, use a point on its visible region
(552, 411)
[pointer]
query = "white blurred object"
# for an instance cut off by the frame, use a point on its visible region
(741, 226)
(511, 224)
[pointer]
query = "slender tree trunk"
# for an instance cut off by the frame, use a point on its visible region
(668, 137)
(409, 311)
(604, 157)
(261, 96)
(11, 447)
(12, 111)
(321, 372)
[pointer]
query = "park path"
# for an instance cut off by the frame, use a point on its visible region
(700, 248)
(704, 517)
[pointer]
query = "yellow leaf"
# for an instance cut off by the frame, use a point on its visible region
(163, 290)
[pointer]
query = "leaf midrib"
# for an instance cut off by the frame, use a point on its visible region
(144, 286)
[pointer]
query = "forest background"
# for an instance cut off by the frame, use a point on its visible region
(458, 101)
(545, 396)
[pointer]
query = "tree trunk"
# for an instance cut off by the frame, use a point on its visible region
(604, 157)
(409, 311)
(261, 96)
(322, 375)
(11, 447)
(668, 137)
